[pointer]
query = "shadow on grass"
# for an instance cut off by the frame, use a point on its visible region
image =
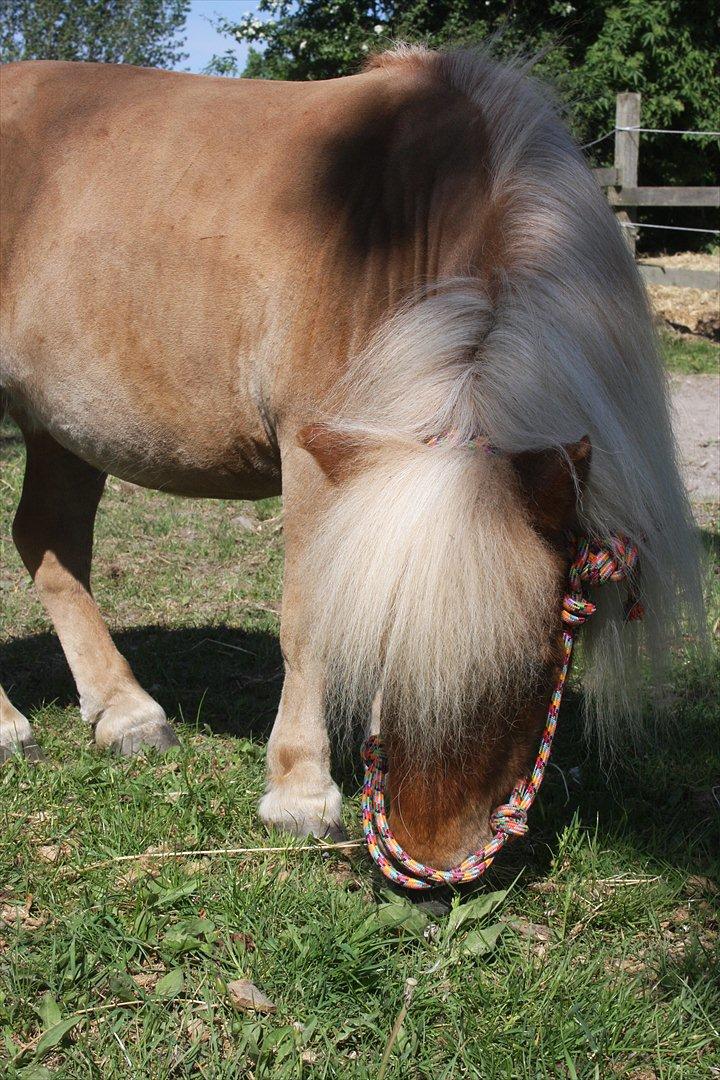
(210, 675)
(661, 802)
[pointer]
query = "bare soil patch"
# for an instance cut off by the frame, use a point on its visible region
(696, 422)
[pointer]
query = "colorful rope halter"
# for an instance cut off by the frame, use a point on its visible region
(592, 565)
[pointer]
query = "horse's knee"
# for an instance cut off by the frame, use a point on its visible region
(34, 546)
(24, 534)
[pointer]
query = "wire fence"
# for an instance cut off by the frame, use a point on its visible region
(671, 228)
(649, 131)
(621, 129)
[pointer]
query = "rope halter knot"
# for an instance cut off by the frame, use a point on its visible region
(509, 819)
(593, 564)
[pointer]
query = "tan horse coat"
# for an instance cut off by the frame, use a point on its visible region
(188, 267)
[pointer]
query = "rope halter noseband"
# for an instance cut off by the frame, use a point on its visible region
(592, 565)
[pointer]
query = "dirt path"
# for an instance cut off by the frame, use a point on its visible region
(696, 419)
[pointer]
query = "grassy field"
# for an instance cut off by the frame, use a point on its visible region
(595, 954)
(689, 355)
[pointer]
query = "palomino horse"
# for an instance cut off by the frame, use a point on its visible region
(343, 290)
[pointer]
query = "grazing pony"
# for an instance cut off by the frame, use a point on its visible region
(400, 298)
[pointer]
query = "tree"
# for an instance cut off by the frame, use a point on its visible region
(143, 32)
(320, 39)
(664, 48)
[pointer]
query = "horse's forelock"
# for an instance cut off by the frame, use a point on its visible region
(437, 591)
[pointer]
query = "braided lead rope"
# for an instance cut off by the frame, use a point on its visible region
(592, 565)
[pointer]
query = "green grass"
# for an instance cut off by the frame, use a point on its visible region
(686, 355)
(601, 960)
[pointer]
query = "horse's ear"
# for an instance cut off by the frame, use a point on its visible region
(552, 482)
(336, 453)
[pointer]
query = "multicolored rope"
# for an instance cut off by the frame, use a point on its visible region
(592, 565)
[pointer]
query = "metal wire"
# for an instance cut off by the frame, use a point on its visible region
(602, 138)
(649, 131)
(672, 228)
(670, 131)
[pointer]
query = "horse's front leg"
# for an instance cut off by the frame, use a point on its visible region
(301, 796)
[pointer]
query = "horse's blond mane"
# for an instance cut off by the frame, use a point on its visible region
(424, 558)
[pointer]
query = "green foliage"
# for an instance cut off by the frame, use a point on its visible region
(140, 32)
(663, 48)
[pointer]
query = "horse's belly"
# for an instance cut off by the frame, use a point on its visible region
(187, 445)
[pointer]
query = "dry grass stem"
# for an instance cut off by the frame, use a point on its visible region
(286, 849)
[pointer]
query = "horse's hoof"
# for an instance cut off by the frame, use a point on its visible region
(32, 751)
(16, 736)
(154, 735)
(334, 834)
(134, 724)
(303, 815)
(27, 749)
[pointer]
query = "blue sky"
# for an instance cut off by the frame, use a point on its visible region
(202, 41)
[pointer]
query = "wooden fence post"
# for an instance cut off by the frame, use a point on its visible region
(627, 152)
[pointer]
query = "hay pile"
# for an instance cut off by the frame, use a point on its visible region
(693, 310)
